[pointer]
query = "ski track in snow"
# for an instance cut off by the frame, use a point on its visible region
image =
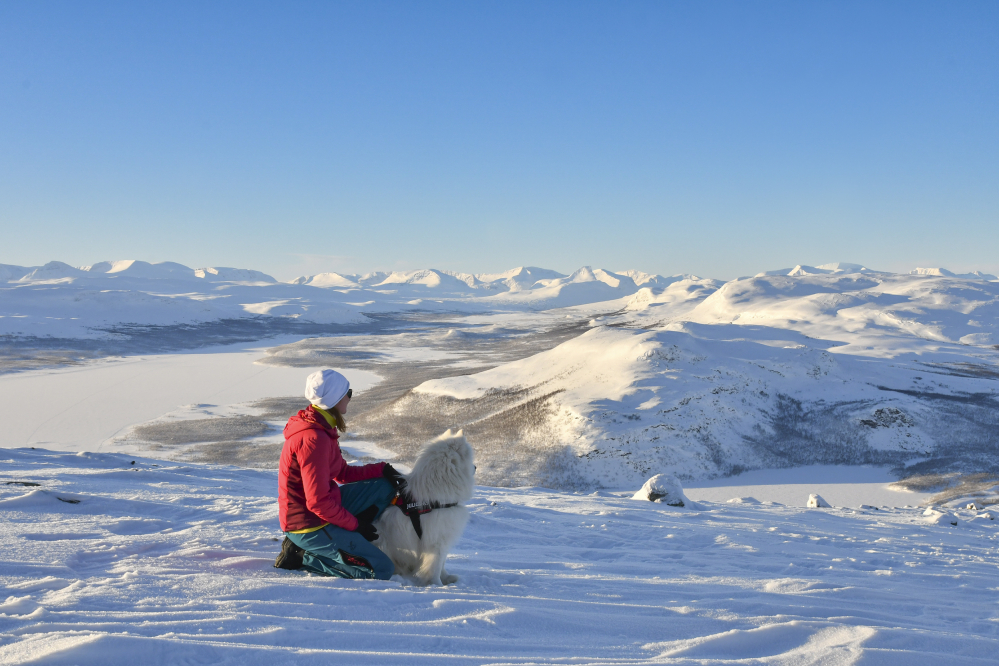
(163, 563)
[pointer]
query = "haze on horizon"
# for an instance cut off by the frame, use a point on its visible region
(719, 138)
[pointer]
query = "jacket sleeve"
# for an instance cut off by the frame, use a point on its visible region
(321, 496)
(344, 473)
(354, 473)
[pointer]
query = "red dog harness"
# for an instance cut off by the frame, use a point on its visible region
(415, 509)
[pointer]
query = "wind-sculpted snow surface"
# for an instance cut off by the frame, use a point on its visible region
(107, 562)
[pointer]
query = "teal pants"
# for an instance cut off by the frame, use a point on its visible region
(334, 551)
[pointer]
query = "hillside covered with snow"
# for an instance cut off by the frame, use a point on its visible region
(594, 379)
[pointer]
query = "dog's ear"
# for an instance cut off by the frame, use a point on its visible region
(460, 433)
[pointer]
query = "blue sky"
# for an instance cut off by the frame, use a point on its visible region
(708, 137)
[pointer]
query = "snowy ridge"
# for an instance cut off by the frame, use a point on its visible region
(703, 401)
(824, 269)
(943, 272)
(130, 268)
(60, 300)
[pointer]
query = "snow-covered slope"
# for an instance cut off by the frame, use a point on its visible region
(113, 560)
(705, 378)
(615, 406)
(880, 314)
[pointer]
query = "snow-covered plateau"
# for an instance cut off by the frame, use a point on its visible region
(872, 391)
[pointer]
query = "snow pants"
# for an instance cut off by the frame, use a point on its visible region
(334, 551)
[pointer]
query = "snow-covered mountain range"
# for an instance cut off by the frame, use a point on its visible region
(835, 363)
(58, 300)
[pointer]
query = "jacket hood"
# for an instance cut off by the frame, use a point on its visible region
(307, 419)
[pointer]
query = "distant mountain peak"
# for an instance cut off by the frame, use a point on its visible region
(943, 272)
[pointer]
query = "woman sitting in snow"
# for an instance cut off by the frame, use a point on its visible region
(327, 526)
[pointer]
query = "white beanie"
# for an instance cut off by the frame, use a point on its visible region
(325, 388)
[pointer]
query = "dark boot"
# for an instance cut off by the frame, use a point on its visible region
(290, 557)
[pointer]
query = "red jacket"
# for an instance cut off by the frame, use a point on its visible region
(311, 467)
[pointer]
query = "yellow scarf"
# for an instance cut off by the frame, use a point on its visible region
(326, 415)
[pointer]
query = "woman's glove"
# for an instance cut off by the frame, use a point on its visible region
(397, 480)
(364, 526)
(367, 530)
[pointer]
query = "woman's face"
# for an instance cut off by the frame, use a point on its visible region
(342, 405)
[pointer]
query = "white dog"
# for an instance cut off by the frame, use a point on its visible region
(442, 479)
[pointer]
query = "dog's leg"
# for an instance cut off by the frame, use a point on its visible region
(431, 565)
(446, 578)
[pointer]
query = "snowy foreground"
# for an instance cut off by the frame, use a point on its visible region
(109, 562)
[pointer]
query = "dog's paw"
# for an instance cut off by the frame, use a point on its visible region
(447, 579)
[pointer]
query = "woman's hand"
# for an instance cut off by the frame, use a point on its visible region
(397, 480)
(367, 530)
(364, 523)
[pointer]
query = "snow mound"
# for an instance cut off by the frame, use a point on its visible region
(743, 500)
(666, 489)
(938, 516)
(816, 502)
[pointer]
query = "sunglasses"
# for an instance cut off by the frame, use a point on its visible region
(350, 392)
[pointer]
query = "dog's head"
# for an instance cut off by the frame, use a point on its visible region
(444, 471)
